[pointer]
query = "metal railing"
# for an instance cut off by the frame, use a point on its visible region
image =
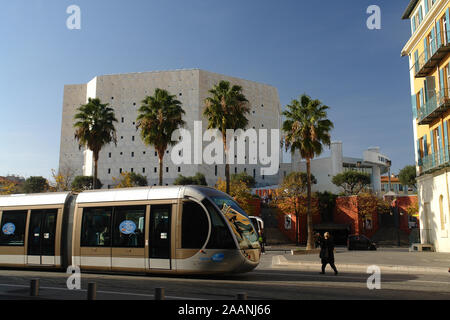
(435, 100)
(427, 60)
(435, 160)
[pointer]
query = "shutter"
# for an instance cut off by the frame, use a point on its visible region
(425, 50)
(438, 34)
(426, 6)
(433, 41)
(425, 146)
(414, 24)
(447, 22)
(441, 82)
(414, 105)
(446, 151)
(416, 61)
(432, 147)
(441, 154)
(420, 15)
(419, 159)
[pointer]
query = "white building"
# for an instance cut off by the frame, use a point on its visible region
(124, 93)
(324, 169)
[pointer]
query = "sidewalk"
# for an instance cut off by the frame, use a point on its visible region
(390, 260)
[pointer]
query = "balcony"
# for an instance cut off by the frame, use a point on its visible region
(435, 161)
(432, 55)
(437, 104)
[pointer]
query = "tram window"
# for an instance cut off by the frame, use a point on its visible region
(194, 226)
(128, 227)
(96, 227)
(220, 234)
(13, 228)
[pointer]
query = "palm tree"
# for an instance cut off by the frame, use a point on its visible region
(226, 109)
(94, 128)
(159, 116)
(307, 129)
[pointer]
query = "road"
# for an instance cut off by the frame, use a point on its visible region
(264, 283)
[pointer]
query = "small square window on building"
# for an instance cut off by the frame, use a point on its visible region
(156, 169)
(132, 170)
(109, 171)
(179, 169)
(123, 119)
(132, 154)
(167, 169)
(143, 170)
(156, 154)
(132, 138)
(120, 170)
(215, 170)
(109, 155)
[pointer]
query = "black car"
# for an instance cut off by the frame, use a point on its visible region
(360, 242)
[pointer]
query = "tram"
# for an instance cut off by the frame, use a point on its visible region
(175, 229)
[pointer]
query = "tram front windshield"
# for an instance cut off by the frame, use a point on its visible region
(239, 222)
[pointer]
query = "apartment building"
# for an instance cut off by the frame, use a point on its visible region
(428, 51)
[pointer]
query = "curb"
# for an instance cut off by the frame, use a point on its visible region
(281, 261)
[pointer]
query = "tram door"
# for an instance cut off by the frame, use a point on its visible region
(159, 237)
(41, 237)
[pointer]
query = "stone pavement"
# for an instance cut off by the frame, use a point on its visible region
(388, 259)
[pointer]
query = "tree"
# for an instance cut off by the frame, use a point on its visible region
(327, 203)
(307, 130)
(81, 183)
(288, 196)
(63, 179)
(199, 180)
(8, 186)
(240, 192)
(407, 176)
(36, 185)
(94, 128)
(226, 108)
(159, 117)
(130, 180)
(353, 182)
(246, 178)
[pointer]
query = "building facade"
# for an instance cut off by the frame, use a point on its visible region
(373, 162)
(393, 185)
(428, 51)
(124, 93)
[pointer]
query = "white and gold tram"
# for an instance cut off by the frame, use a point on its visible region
(183, 230)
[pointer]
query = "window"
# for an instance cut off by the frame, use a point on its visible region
(123, 119)
(441, 210)
(167, 169)
(128, 227)
(132, 170)
(215, 171)
(13, 228)
(120, 170)
(109, 171)
(109, 155)
(156, 170)
(220, 237)
(96, 227)
(194, 231)
(143, 170)
(179, 169)
(132, 154)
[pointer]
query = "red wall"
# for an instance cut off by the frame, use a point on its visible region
(346, 212)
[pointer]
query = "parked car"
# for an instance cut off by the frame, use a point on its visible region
(360, 242)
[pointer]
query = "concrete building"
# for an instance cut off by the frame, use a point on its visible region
(324, 169)
(428, 51)
(124, 93)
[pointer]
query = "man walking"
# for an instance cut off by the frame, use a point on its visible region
(327, 253)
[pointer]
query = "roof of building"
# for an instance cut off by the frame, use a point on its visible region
(386, 179)
(412, 4)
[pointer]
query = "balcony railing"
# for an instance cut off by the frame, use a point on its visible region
(435, 160)
(434, 52)
(438, 103)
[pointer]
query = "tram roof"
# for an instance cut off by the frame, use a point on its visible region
(37, 199)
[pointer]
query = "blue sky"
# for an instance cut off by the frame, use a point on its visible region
(322, 48)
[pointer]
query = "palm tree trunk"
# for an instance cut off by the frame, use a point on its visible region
(310, 243)
(94, 184)
(161, 157)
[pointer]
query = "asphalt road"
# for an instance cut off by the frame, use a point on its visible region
(264, 283)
